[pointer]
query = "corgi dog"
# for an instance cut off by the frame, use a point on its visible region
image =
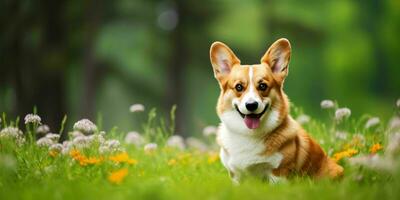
(257, 136)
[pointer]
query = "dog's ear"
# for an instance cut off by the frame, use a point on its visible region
(222, 59)
(277, 58)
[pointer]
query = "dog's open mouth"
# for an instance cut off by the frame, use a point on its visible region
(252, 121)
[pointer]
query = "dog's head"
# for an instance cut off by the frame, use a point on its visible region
(251, 95)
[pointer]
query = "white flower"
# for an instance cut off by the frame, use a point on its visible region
(81, 142)
(96, 138)
(394, 123)
(42, 129)
(393, 146)
(110, 146)
(196, 144)
(341, 135)
(85, 126)
(210, 130)
(303, 119)
(45, 142)
(113, 144)
(66, 147)
(342, 113)
(327, 104)
(374, 162)
(151, 147)
(136, 108)
(52, 136)
(372, 122)
(176, 141)
(11, 132)
(56, 147)
(134, 138)
(32, 118)
(398, 103)
(75, 134)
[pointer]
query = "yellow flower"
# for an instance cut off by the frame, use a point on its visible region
(53, 153)
(212, 158)
(93, 160)
(123, 158)
(375, 148)
(118, 176)
(172, 162)
(343, 154)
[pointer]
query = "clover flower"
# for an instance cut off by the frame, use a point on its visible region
(11, 132)
(151, 147)
(327, 104)
(210, 130)
(53, 136)
(43, 129)
(96, 138)
(176, 141)
(45, 142)
(67, 147)
(136, 108)
(110, 146)
(372, 122)
(303, 119)
(134, 137)
(32, 118)
(85, 126)
(14, 134)
(342, 113)
(81, 142)
(118, 176)
(75, 134)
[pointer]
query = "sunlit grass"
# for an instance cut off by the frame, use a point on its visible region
(154, 165)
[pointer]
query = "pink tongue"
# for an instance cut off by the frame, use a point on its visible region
(251, 123)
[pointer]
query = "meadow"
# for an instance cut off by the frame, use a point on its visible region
(156, 164)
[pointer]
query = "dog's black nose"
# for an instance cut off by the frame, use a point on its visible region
(252, 106)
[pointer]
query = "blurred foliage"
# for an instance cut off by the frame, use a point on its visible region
(91, 57)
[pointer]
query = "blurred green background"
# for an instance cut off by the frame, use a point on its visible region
(89, 58)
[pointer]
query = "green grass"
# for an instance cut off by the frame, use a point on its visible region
(37, 175)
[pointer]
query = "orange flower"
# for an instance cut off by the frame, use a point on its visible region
(118, 176)
(123, 158)
(375, 148)
(83, 160)
(343, 154)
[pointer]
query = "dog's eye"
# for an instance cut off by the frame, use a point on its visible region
(262, 86)
(239, 87)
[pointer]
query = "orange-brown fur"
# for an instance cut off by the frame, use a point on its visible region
(301, 154)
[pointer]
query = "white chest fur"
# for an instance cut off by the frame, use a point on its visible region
(243, 154)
